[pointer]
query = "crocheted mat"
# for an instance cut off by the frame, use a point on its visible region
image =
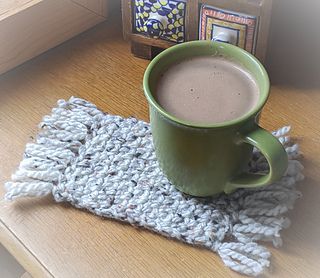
(107, 165)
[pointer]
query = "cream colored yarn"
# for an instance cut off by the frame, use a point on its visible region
(106, 164)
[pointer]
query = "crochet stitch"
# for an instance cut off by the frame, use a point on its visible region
(107, 165)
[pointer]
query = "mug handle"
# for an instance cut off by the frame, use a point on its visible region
(273, 151)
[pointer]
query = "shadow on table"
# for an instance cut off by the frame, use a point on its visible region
(305, 218)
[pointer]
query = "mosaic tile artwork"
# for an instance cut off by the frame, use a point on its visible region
(241, 29)
(162, 19)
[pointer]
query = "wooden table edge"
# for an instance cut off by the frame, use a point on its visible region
(21, 253)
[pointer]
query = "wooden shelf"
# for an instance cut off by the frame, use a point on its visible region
(28, 28)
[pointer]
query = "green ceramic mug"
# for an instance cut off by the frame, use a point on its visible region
(203, 160)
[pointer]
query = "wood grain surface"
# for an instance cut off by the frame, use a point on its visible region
(97, 6)
(54, 239)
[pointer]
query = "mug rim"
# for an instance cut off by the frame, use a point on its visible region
(205, 43)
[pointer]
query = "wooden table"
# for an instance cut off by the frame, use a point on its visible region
(51, 239)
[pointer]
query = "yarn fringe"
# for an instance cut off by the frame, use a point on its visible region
(257, 214)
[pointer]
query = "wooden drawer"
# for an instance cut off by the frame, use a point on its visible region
(239, 29)
(160, 19)
(153, 25)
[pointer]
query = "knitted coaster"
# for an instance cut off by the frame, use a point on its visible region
(107, 165)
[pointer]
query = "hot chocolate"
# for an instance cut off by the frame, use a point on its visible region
(207, 90)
